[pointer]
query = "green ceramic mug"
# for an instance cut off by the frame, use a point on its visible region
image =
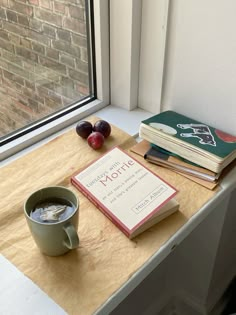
(54, 231)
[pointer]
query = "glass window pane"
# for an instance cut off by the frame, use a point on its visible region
(45, 61)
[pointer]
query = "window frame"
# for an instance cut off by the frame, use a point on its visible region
(137, 53)
(101, 35)
(123, 76)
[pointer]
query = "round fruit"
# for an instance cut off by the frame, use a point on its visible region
(95, 140)
(103, 127)
(84, 129)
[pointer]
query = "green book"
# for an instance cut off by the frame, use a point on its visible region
(195, 141)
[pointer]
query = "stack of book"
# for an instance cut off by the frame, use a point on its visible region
(187, 146)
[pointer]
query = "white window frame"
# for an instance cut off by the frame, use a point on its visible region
(130, 42)
(137, 51)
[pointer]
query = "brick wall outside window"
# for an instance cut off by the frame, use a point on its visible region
(43, 59)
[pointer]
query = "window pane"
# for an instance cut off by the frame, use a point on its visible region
(45, 61)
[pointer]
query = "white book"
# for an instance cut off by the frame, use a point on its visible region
(128, 193)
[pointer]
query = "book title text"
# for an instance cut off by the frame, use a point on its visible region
(117, 172)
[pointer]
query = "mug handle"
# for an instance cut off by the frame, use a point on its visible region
(73, 239)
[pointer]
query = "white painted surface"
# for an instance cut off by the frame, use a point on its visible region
(137, 49)
(152, 52)
(101, 30)
(125, 28)
(20, 296)
(200, 72)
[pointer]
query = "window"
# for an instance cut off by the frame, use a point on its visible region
(129, 63)
(47, 67)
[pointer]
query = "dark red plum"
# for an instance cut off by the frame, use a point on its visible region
(103, 127)
(95, 140)
(84, 129)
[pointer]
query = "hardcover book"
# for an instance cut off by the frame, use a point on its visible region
(128, 193)
(195, 141)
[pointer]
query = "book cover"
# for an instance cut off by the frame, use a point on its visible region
(191, 139)
(127, 192)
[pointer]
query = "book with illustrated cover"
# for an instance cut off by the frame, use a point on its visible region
(195, 141)
(128, 193)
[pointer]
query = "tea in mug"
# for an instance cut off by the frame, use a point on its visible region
(52, 210)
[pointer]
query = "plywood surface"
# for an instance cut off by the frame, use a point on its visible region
(82, 280)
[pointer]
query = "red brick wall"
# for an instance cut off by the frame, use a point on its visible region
(43, 58)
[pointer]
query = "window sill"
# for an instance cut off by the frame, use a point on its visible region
(128, 121)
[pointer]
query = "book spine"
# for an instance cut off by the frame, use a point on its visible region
(99, 206)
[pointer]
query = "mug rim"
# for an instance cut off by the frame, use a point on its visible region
(51, 223)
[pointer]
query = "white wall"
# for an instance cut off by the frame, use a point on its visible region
(194, 276)
(200, 69)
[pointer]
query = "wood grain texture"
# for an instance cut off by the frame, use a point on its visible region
(83, 279)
